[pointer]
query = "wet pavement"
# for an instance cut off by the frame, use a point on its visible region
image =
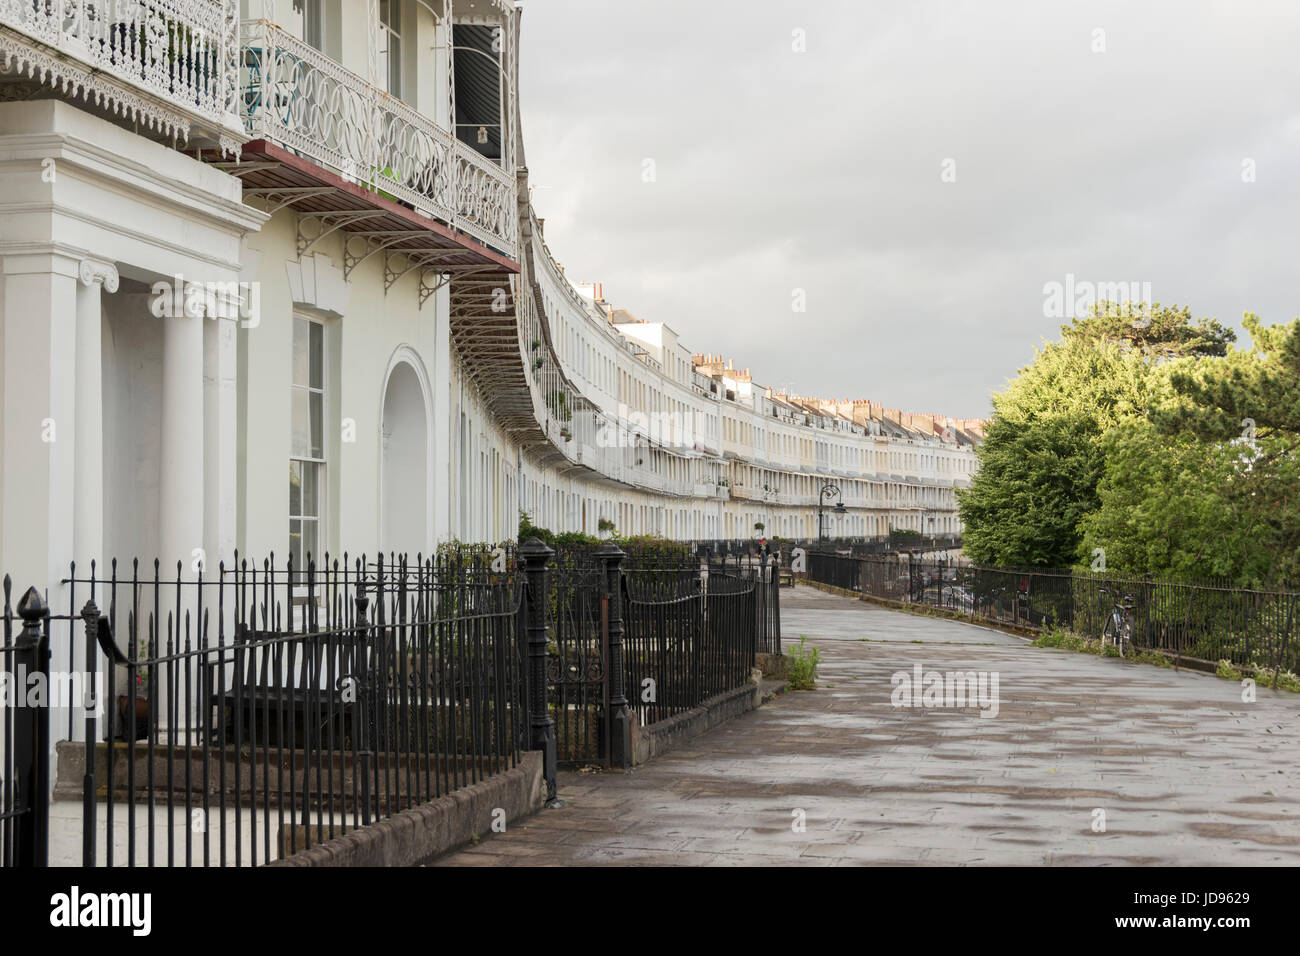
(1088, 760)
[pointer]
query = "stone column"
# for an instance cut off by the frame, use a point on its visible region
(88, 480)
(181, 474)
(38, 423)
(39, 433)
(219, 434)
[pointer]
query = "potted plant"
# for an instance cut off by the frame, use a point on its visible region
(133, 711)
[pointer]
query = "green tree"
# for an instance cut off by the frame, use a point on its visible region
(1246, 405)
(1036, 480)
(1044, 451)
(1155, 331)
(1174, 505)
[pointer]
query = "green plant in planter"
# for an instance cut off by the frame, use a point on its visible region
(605, 526)
(558, 402)
(535, 344)
(387, 173)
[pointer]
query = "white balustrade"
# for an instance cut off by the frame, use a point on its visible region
(165, 63)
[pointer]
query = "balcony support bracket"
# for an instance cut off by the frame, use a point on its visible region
(327, 224)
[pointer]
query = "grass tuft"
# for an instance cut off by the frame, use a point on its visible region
(802, 671)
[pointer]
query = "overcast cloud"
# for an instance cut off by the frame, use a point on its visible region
(778, 170)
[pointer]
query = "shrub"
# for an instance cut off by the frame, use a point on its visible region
(801, 673)
(1065, 640)
(528, 530)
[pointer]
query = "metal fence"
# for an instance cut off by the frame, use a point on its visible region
(237, 719)
(1200, 621)
(764, 572)
(716, 549)
(650, 632)
(577, 662)
(687, 645)
(24, 734)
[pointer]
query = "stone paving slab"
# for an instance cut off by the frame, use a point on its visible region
(1186, 773)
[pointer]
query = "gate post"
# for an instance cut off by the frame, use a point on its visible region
(32, 737)
(537, 555)
(620, 721)
(90, 615)
(362, 698)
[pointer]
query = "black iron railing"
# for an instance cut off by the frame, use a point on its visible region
(906, 542)
(24, 733)
(240, 717)
(1200, 621)
(688, 642)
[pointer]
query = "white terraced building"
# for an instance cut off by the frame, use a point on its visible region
(245, 239)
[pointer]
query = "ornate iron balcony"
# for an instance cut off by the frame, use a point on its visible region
(298, 98)
(167, 64)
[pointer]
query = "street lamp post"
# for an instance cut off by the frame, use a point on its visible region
(828, 491)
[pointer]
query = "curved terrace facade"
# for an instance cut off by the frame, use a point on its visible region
(241, 239)
(657, 439)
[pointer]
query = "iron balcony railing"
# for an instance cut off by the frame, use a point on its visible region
(164, 63)
(298, 98)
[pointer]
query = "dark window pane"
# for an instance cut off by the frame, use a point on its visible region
(317, 355)
(317, 425)
(310, 545)
(395, 65)
(310, 489)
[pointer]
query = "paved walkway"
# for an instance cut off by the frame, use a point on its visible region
(1184, 771)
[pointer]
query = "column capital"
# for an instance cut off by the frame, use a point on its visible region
(96, 270)
(181, 298)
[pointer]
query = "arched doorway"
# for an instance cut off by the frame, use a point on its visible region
(404, 471)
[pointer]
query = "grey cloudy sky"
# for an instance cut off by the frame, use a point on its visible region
(821, 170)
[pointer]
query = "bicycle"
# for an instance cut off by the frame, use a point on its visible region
(1118, 630)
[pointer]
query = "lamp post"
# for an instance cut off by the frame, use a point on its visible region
(828, 491)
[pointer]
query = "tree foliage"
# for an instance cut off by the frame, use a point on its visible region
(1154, 331)
(1050, 442)
(1178, 506)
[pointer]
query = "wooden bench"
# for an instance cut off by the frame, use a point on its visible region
(290, 691)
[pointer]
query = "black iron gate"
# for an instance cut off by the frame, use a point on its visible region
(577, 662)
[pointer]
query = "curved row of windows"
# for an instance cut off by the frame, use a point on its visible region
(647, 435)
